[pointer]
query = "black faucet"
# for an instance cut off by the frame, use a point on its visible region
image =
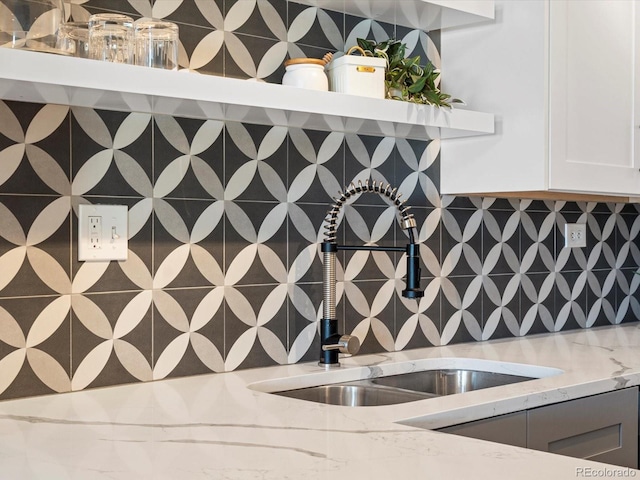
(332, 343)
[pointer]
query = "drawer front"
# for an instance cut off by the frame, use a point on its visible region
(602, 428)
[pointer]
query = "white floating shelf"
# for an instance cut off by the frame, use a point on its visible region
(422, 14)
(47, 78)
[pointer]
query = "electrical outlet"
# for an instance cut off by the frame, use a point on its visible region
(102, 232)
(575, 235)
(95, 233)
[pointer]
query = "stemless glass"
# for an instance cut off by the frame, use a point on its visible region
(156, 44)
(30, 24)
(111, 37)
(73, 38)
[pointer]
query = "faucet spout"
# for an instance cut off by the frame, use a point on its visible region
(332, 343)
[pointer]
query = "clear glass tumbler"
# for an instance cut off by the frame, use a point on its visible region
(156, 44)
(30, 24)
(73, 38)
(111, 38)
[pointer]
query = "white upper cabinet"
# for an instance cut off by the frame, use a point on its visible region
(561, 77)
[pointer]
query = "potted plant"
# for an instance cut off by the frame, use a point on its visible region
(405, 78)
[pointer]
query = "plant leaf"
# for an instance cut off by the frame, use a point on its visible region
(418, 85)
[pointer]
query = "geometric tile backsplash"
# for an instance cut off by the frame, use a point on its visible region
(225, 220)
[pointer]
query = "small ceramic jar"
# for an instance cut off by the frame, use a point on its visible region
(305, 73)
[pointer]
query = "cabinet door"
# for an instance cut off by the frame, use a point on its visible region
(603, 428)
(593, 109)
(510, 429)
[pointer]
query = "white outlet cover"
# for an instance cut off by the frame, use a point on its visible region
(112, 243)
(575, 235)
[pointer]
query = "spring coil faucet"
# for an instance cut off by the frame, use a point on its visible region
(332, 343)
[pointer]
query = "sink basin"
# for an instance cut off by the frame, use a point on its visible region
(363, 386)
(448, 381)
(355, 394)
(402, 388)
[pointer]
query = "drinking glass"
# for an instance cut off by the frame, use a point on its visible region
(73, 38)
(14, 39)
(30, 24)
(111, 37)
(156, 44)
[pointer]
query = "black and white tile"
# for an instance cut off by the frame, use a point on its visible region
(225, 221)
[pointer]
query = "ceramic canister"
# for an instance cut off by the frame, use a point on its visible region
(305, 73)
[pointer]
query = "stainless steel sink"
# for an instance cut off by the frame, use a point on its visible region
(403, 388)
(354, 394)
(448, 382)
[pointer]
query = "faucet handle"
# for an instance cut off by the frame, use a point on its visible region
(346, 344)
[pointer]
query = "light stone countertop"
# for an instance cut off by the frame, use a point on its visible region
(214, 427)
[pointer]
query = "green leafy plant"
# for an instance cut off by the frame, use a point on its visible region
(405, 78)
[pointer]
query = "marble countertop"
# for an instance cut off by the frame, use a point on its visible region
(215, 427)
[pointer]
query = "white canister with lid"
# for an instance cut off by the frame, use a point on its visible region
(305, 73)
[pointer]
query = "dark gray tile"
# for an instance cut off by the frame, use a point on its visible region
(601, 298)
(205, 351)
(174, 226)
(378, 31)
(190, 13)
(41, 167)
(257, 48)
(468, 316)
(244, 224)
(117, 6)
(628, 307)
(417, 50)
(370, 158)
(257, 25)
(537, 241)
(99, 133)
(380, 325)
(427, 322)
(457, 202)
(174, 144)
(260, 349)
(627, 241)
(537, 205)
(45, 269)
(469, 258)
(631, 208)
(570, 300)
(88, 332)
(48, 376)
(304, 223)
(316, 35)
(305, 300)
(266, 178)
(306, 152)
(500, 306)
(537, 303)
(411, 158)
(190, 37)
(601, 241)
(500, 242)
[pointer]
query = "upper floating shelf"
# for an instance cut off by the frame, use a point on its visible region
(47, 78)
(425, 15)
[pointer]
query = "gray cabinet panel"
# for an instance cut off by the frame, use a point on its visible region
(603, 428)
(510, 429)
